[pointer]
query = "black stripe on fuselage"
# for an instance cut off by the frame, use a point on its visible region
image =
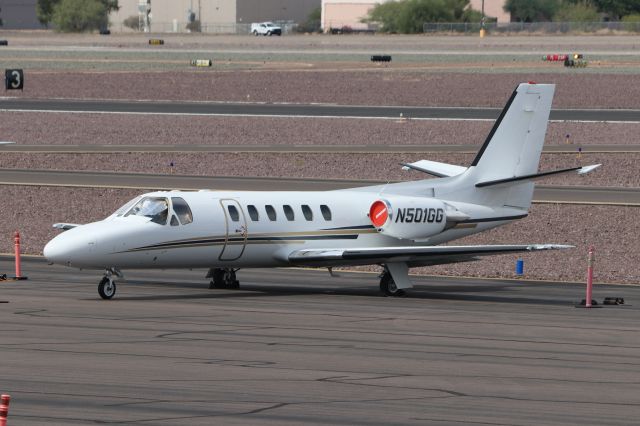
(236, 239)
(494, 219)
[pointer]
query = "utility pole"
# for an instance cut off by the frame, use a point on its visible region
(482, 30)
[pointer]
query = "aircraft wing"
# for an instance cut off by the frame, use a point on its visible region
(65, 226)
(412, 256)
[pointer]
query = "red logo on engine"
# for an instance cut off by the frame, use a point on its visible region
(378, 213)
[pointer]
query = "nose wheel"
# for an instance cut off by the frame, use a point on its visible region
(388, 286)
(107, 288)
(223, 278)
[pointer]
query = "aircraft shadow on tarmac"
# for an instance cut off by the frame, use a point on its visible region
(485, 293)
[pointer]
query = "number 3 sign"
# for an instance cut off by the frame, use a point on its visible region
(14, 79)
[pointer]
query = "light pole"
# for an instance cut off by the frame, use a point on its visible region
(482, 30)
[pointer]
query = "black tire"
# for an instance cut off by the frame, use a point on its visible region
(269, 33)
(107, 288)
(255, 33)
(217, 280)
(388, 286)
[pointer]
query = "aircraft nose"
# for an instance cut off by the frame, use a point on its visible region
(55, 250)
(68, 248)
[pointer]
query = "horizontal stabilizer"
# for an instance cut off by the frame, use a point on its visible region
(434, 168)
(537, 176)
(65, 226)
(414, 256)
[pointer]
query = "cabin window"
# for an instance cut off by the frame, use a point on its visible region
(155, 208)
(306, 211)
(271, 212)
(182, 210)
(288, 212)
(326, 212)
(253, 213)
(174, 220)
(233, 213)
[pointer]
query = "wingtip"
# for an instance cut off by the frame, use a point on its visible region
(551, 247)
(586, 169)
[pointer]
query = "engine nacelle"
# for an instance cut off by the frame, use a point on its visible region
(408, 217)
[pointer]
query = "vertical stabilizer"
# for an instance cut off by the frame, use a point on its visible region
(514, 144)
(512, 149)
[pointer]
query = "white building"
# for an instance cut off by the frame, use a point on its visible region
(214, 15)
(349, 13)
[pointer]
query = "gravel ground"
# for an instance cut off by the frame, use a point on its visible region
(619, 169)
(41, 128)
(380, 86)
(389, 43)
(612, 230)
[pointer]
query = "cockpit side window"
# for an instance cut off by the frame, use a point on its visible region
(156, 208)
(182, 210)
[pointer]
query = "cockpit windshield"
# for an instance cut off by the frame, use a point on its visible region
(125, 208)
(156, 208)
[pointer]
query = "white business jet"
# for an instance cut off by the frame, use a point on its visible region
(397, 226)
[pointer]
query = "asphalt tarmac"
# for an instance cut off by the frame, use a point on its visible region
(543, 193)
(298, 110)
(299, 347)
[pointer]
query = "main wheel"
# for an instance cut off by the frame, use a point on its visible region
(224, 278)
(107, 288)
(230, 280)
(388, 286)
(217, 280)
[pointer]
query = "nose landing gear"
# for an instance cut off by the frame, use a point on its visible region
(223, 278)
(107, 285)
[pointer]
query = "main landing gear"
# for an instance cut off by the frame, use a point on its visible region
(107, 285)
(223, 278)
(388, 286)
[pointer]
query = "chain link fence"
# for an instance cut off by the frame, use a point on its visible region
(531, 27)
(210, 28)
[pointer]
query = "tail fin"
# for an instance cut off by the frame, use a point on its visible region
(514, 144)
(512, 149)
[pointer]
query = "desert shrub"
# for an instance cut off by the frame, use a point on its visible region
(132, 22)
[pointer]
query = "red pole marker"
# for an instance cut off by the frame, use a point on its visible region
(16, 240)
(4, 409)
(589, 278)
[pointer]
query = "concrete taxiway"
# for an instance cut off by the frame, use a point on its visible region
(297, 110)
(543, 193)
(299, 347)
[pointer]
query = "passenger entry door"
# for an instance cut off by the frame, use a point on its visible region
(236, 230)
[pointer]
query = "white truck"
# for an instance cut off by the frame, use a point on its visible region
(265, 29)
